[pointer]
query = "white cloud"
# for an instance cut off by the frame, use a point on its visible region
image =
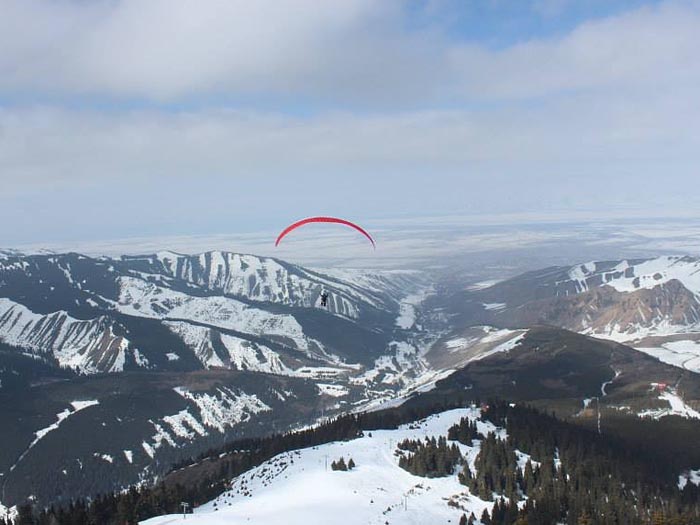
(64, 146)
(357, 51)
(605, 115)
(640, 51)
(164, 50)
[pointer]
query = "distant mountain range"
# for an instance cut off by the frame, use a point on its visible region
(621, 300)
(651, 304)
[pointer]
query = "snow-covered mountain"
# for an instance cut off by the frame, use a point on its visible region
(660, 297)
(264, 279)
(644, 302)
(650, 304)
(182, 352)
(501, 463)
(89, 435)
(301, 487)
(634, 275)
(81, 311)
(598, 384)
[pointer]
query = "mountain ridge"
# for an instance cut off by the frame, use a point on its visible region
(180, 353)
(626, 300)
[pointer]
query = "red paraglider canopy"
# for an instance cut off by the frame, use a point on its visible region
(333, 220)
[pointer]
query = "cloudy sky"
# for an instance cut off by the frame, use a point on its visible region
(159, 118)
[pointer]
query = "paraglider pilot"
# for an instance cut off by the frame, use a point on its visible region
(324, 298)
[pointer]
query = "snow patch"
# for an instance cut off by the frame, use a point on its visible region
(506, 346)
(677, 406)
(689, 476)
(9, 514)
(332, 390)
(62, 416)
(607, 383)
(140, 359)
(184, 425)
(225, 409)
(408, 309)
(482, 285)
(105, 457)
(683, 354)
(157, 440)
(495, 306)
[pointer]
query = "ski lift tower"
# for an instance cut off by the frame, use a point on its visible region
(185, 507)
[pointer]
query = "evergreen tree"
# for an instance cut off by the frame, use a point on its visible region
(339, 465)
(25, 515)
(431, 458)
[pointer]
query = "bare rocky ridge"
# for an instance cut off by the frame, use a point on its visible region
(607, 312)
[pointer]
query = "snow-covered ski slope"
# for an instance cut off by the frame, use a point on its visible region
(299, 487)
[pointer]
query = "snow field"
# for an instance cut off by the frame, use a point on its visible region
(683, 354)
(677, 407)
(300, 488)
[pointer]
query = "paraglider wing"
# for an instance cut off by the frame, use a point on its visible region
(333, 220)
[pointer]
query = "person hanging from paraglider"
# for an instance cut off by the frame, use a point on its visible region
(331, 220)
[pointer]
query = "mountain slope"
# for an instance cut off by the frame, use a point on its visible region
(565, 371)
(299, 486)
(552, 368)
(87, 345)
(650, 304)
(81, 309)
(621, 300)
(134, 425)
(179, 353)
(508, 460)
(263, 279)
